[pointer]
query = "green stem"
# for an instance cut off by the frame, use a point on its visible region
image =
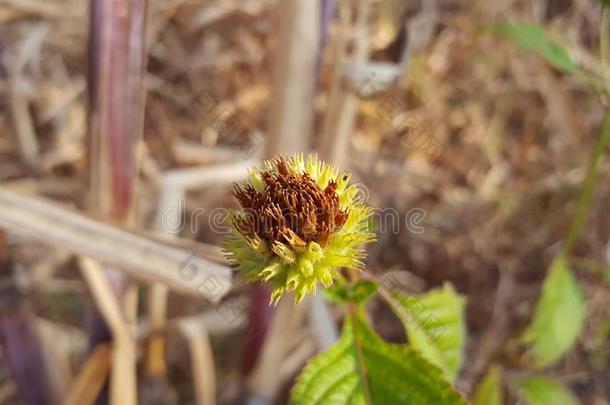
(588, 187)
(589, 184)
(603, 46)
(353, 314)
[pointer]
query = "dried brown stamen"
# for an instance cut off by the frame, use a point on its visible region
(291, 208)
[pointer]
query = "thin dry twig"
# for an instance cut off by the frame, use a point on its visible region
(24, 127)
(202, 361)
(169, 198)
(123, 378)
(207, 176)
(213, 319)
(57, 345)
(19, 103)
(91, 378)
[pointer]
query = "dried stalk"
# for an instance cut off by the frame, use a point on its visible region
(115, 104)
(57, 346)
(19, 340)
(115, 121)
(169, 198)
(21, 348)
(91, 378)
(291, 111)
(265, 380)
(213, 319)
(202, 361)
(199, 177)
(123, 377)
(339, 121)
(173, 190)
(144, 259)
(19, 103)
(28, 142)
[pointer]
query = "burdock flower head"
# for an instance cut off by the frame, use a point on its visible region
(300, 223)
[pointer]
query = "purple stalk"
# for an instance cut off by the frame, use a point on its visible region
(115, 115)
(21, 350)
(259, 317)
(116, 103)
(18, 339)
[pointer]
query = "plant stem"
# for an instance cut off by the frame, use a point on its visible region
(353, 314)
(604, 31)
(602, 143)
(588, 187)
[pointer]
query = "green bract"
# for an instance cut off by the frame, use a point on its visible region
(300, 223)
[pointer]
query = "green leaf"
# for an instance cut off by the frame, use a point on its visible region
(336, 293)
(534, 38)
(489, 391)
(363, 369)
(559, 316)
(360, 292)
(363, 290)
(435, 326)
(544, 391)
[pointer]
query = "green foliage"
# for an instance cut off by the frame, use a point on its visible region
(543, 391)
(489, 391)
(363, 369)
(359, 293)
(559, 316)
(535, 38)
(435, 326)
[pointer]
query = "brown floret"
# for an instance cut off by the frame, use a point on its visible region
(290, 205)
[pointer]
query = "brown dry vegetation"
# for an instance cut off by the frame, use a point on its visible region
(516, 139)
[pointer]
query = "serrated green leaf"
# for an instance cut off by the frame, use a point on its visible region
(489, 391)
(361, 363)
(559, 316)
(535, 38)
(544, 391)
(359, 293)
(434, 323)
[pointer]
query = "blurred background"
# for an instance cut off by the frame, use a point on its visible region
(469, 125)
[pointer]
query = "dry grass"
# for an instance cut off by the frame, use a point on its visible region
(516, 137)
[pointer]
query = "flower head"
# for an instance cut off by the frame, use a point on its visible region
(300, 223)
